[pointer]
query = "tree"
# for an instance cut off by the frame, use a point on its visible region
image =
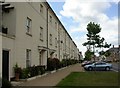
(88, 55)
(93, 38)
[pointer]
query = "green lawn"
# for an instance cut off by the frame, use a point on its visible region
(85, 79)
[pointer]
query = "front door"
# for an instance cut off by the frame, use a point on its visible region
(5, 64)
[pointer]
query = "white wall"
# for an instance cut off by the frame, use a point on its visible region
(8, 44)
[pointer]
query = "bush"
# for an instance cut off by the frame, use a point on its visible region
(53, 64)
(64, 63)
(42, 69)
(6, 83)
(50, 65)
(25, 73)
(56, 63)
(67, 62)
(32, 71)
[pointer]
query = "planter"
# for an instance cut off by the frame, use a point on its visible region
(17, 71)
(17, 75)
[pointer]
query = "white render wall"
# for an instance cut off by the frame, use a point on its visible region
(8, 43)
(17, 45)
(22, 41)
(25, 41)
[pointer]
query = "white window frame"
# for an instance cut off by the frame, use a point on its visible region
(41, 8)
(56, 42)
(50, 39)
(41, 33)
(28, 25)
(56, 25)
(50, 19)
(28, 57)
(40, 58)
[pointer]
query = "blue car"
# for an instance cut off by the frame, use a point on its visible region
(98, 66)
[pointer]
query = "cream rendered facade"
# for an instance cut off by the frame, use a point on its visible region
(47, 37)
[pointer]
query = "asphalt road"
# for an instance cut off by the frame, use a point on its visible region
(116, 67)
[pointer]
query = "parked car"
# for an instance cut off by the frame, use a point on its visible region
(86, 63)
(98, 66)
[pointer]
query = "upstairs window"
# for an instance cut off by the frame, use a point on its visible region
(56, 42)
(41, 8)
(50, 39)
(29, 25)
(50, 19)
(41, 33)
(56, 25)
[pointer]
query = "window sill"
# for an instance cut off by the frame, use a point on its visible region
(29, 34)
(41, 40)
(8, 36)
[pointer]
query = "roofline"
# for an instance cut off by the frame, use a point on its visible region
(59, 21)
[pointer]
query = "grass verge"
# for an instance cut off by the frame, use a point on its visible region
(90, 79)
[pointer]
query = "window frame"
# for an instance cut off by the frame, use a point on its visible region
(55, 25)
(56, 42)
(28, 25)
(41, 8)
(28, 57)
(41, 33)
(50, 19)
(50, 39)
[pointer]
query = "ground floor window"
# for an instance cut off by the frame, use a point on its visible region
(41, 58)
(28, 57)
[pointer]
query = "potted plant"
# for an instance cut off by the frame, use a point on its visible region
(17, 71)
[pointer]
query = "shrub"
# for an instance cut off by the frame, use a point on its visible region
(56, 63)
(17, 69)
(64, 62)
(6, 83)
(25, 73)
(67, 62)
(32, 71)
(50, 64)
(53, 64)
(41, 69)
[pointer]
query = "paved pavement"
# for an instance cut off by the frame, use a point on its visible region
(54, 78)
(116, 67)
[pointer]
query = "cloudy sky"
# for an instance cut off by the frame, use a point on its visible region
(76, 14)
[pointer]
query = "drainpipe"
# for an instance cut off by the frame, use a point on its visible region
(59, 41)
(1, 46)
(47, 32)
(65, 45)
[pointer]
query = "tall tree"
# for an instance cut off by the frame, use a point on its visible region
(93, 38)
(93, 30)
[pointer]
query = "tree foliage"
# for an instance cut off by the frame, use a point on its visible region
(88, 55)
(93, 38)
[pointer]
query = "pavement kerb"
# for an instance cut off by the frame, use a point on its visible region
(17, 83)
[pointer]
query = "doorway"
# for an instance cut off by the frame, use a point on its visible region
(5, 64)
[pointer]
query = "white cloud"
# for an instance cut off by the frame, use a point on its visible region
(83, 12)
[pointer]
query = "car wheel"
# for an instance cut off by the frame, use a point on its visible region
(107, 68)
(90, 68)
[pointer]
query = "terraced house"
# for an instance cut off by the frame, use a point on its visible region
(31, 33)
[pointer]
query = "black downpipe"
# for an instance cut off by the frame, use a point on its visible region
(47, 34)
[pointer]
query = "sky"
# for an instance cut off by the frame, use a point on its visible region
(76, 14)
